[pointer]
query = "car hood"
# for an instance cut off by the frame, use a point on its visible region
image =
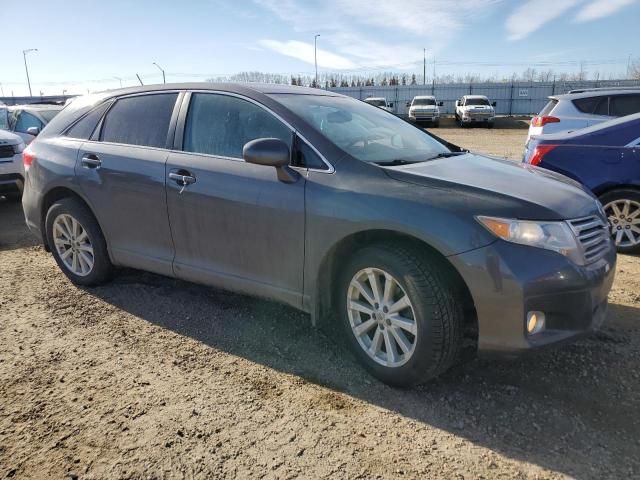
(502, 187)
(8, 138)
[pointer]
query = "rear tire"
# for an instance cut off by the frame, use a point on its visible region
(77, 243)
(622, 207)
(422, 339)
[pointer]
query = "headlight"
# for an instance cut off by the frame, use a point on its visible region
(19, 148)
(556, 236)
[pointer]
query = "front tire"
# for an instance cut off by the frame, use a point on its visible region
(401, 314)
(77, 243)
(622, 207)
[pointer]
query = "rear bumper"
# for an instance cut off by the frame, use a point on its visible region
(507, 281)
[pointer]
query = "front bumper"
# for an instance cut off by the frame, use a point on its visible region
(11, 183)
(477, 117)
(508, 280)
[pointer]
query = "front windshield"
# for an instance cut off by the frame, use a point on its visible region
(423, 101)
(364, 132)
(477, 101)
(48, 114)
(377, 103)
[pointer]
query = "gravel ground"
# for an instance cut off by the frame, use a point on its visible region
(149, 377)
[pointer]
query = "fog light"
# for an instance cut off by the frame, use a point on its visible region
(535, 322)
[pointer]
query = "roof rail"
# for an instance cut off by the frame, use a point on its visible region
(583, 90)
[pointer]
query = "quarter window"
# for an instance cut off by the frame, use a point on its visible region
(221, 125)
(586, 105)
(85, 127)
(306, 157)
(141, 120)
(622, 105)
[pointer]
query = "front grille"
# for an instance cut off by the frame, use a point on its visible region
(6, 151)
(593, 234)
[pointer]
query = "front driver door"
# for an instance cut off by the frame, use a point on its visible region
(236, 226)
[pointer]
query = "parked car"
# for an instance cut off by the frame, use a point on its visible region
(329, 205)
(11, 169)
(424, 108)
(27, 121)
(583, 108)
(474, 109)
(605, 158)
(380, 102)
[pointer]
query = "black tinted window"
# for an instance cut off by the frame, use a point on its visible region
(305, 156)
(221, 125)
(602, 107)
(85, 127)
(624, 105)
(586, 105)
(142, 120)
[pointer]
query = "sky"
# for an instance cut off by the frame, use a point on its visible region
(85, 45)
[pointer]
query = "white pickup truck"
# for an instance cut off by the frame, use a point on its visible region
(475, 109)
(380, 102)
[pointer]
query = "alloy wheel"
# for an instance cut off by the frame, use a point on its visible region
(73, 245)
(382, 317)
(624, 221)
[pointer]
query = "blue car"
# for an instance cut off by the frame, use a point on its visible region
(604, 158)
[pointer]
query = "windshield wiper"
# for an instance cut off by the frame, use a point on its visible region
(397, 161)
(447, 154)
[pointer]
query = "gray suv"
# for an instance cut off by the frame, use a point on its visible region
(395, 242)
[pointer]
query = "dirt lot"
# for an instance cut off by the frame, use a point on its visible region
(149, 377)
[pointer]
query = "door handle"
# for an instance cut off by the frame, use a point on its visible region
(182, 179)
(90, 160)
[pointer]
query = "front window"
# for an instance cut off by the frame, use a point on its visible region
(221, 125)
(26, 121)
(423, 101)
(477, 101)
(364, 132)
(376, 102)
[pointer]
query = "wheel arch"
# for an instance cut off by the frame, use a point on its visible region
(323, 302)
(610, 188)
(53, 195)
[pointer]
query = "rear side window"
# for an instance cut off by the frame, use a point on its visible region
(548, 107)
(588, 104)
(87, 124)
(141, 120)
(622, 105)
(602, 108)
(221, 125)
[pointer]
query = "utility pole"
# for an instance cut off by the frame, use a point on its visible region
(1, 90)
(424, 66)
(164, 80)
(315, 55)
(26, 68)
(629, 67)
(433, 81)
(120, 80)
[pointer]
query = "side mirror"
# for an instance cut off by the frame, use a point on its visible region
(441, 104)
(271, 152)
(33, 131)
(457, 103)
(493, 104)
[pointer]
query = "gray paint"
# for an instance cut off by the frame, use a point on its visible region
(240, 228)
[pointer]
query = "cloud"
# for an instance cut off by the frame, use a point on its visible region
(354, 29)
(530, 16)
(305, 52)
(601, 8)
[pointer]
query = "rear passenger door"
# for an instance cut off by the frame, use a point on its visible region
(236, 226)
(121, 170)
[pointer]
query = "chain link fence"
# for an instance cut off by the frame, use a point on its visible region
(515, 98)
